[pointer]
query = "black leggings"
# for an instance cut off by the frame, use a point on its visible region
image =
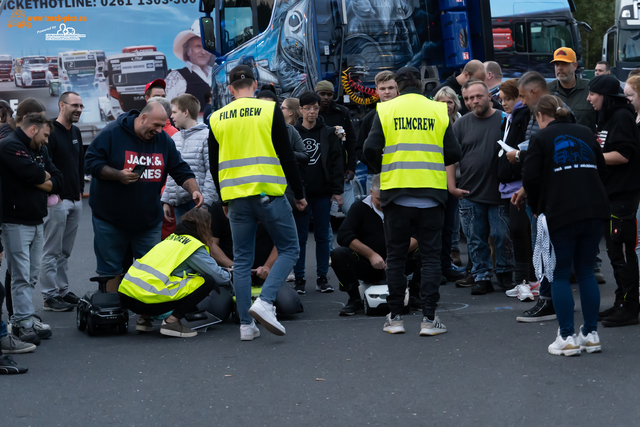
(520, 229)
(179, 307)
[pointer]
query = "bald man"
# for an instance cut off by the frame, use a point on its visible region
(129, 161)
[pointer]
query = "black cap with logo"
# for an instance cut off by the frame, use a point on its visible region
(240, 72)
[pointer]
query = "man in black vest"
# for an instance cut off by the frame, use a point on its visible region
(195, 77)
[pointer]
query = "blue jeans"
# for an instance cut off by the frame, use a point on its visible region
(110, 244)
(577, 244)
(450, 214)
(347, 197)
(182, 209)
(276, 216)
(320, 208)
(480, 220)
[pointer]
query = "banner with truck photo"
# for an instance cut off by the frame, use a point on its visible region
(106, 50)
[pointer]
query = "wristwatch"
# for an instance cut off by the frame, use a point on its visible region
(518, 156)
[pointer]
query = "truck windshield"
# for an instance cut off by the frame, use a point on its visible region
(133, 79)
(236, 24)
(548, 38)
(629, 45)
(35, 61)
(5, 62)
(72, 65)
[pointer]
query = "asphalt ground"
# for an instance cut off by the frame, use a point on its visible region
(327, 371)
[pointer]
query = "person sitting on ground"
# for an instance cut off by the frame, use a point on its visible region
(175, 275)
(287, 301)
(362, 251)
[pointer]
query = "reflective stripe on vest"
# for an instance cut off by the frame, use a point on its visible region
(243, 128)
(149, 279)
(413, 157)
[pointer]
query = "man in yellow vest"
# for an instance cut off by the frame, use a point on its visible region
(410, 144)
(251, 163)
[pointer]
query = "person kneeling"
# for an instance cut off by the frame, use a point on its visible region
(175, 275)
(362, 251)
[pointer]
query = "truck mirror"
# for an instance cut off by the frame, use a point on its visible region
(207, 6)
(208, 33)
(586, 26)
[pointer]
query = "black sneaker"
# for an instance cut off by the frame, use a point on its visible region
(57, 304)
(609, 311)
(483, 287)
(300, 285)
(623, 317)
(505, 280)
(9, 367)
(71, 298)
(451, 275)
(353, 306)
(542, 311)
(467, 282)
(323, 286)
(26, 334)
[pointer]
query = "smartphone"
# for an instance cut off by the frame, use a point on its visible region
(139, 169)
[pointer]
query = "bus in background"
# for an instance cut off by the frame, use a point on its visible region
(525, 34)
(126, 75)
(621, 43)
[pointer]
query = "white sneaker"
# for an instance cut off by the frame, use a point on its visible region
(395, 325)
(291, 277)
(432, 327)
(589, 343)
(526, 291)
(249, 332)
(564, 346)
(525, 294)
(265, 313)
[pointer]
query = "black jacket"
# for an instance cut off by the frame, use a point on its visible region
(330, 154)
(617, 131)
(21, 169)
(562, 175)
(338, 115)
(5, 130)
(364, 224)
(374, 147)
(576, 99)
(363, 133)
(508, 172)
(67, 153)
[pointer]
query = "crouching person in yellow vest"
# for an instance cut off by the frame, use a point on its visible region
(175, 275)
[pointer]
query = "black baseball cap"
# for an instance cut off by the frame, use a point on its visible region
(405, 73)
(606, 84)
(240, 72)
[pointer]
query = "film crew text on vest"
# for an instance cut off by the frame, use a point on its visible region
(179, 238)
(414, 123)
(244, 112)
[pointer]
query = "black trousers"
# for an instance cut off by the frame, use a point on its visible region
(179, 307)
(400, 223)
(351, 267)
(520, 230)
(622, 237)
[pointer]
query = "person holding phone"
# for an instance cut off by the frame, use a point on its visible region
(129, 161)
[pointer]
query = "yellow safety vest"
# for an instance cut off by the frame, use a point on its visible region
(149, 280)
(413, 129)
(247, 162)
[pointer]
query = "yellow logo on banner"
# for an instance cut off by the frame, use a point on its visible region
(18, 19)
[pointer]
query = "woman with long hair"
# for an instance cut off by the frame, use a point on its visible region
(174, 276)
(562, 177)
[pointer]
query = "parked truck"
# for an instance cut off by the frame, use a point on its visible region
(32, 71)
(6, 68)
(621, 43)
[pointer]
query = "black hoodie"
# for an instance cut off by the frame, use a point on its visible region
(21, 169)
(324, 174)
(133, 207)
(617, 131)
(562, 175)
(67, 153)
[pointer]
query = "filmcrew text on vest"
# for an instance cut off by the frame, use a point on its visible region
(244, 112)
(413, 123)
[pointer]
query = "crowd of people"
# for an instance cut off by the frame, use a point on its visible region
(532, 174)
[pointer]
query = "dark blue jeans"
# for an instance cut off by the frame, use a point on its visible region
(320, 208)
(450, 214)
(577, 244)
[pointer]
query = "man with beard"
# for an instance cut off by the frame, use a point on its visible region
(482, 211)
(61, 223)
(195, 77)
(572, 89)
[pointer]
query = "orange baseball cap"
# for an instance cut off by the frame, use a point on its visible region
(564, 54)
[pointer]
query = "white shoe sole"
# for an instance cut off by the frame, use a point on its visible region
(394, 329)
(249, 337)
(432, 332)
(536, 319)
(29, 349)
(591, 348)
(262, 317)
(529, 298)
(572, 352)
(171, 333)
